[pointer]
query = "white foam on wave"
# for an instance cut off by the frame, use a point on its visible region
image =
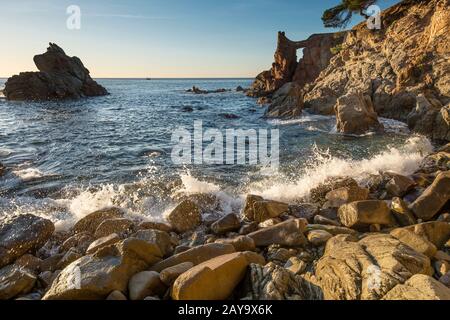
(305, 118)
(29, 174)
(402, 160)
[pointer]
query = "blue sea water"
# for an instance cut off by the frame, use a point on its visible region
(66, 159)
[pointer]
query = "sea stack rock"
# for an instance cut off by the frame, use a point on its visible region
(59, 77)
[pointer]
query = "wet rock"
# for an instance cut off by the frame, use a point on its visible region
(415, 241)
(30, 262)
(51, 263)
(304, 210)
(102, 243)
(2, 169)
(288, 233)
(144, 284)
(187, 109)
(186, 216)
(355, 114)
(318, 193)
(368, 269)
(230, 222)
(119, 226)
(214, 279)
(272, 282)
(160, 238)
(436, 232)
(419, 287)
(362, 214)
(433, 198)
(169, 275)
(399, 185)
(71, 256)
(22, 234)
(269, 223)
(109, 269)
(401, 213)
(248, 228)
(240, 243)
(15, 281)
(155, 225)
(81, 241)
(195, 255)
(91, 222)
(229, 116)
(319, 237)
(334, 230)
(116, 296)
(443, 256)
(339, 197)
(259, 210)
(323, 220)
(59, 77)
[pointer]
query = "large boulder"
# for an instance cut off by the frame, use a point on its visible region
(360, 214)
(338, 197)
(160, 238)
(15, 281)
(418, 243)
(437, 232)
(214, 279)
(120, 226)
(355, 114)
(195, 255)
(368, 269)
(230, 222)
(92, 221)
(259, 210)
(94, 277)
(59, 77)
(186, 216)
(287, 102)
(419, 287)
(21, 234)
(433, 198)
(288, 233)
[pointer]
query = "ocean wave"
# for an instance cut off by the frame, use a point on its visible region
(402, 160)
(29, 174)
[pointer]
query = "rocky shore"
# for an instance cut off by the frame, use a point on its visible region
(399, 72)
(59, 77)
(387, 239)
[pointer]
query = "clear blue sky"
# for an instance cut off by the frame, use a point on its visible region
(158, 38)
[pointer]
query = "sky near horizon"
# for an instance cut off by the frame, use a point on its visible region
(158, 38)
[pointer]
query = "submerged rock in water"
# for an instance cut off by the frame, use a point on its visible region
(197, 90)
(59, 77)
(2, 169)
(22, 234)
(355, 114)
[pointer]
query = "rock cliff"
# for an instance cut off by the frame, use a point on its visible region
(59, 77)
(404, 68)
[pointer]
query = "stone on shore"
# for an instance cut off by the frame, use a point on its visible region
(433, 198)
(195, 255)
(160, 238)
(120, 226)
(169, 275)
(399, 185)
(146, 225)
(22, 234)
(288, 233)
(30, 262)
(102, 242)
(345, 195)
(59, 77)
(368, 269)
(185, 217)
(419, 287)
(91, 222)
(319, 237)
(94, 277)
(259, 210)
(116, 296)
(355, 114)
(418, 243)
(401, 212)
(15, 281)
(287, 102)
(214, 279)
(437, 232)
(226, 224)
(144, 284)
(240, 243)
(362, 214)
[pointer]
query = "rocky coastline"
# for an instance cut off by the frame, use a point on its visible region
(399, 72)
(387, 239)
